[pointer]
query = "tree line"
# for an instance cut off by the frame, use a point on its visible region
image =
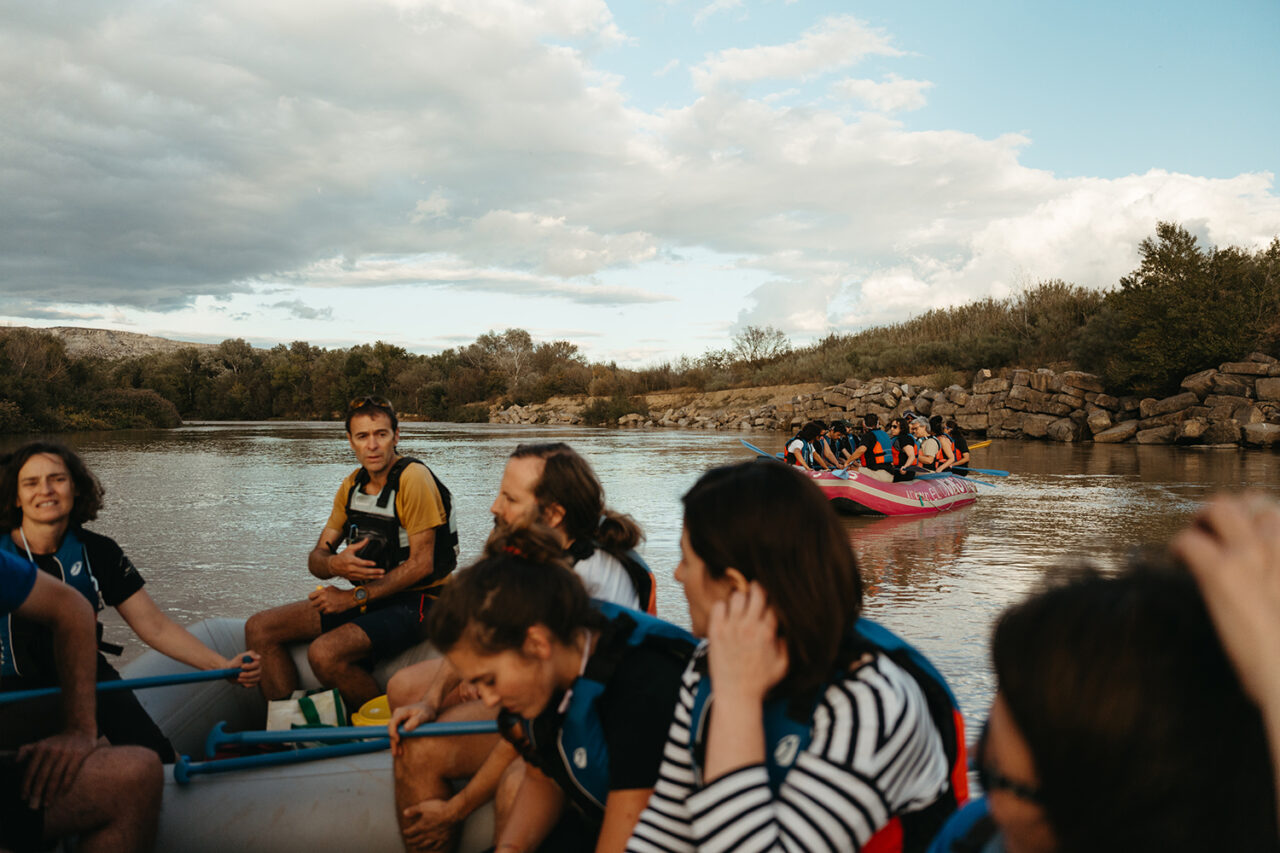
(1182, 309)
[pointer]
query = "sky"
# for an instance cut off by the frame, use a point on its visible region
(644, 179)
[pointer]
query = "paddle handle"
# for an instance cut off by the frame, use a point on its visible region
(219, 736)
(127, 684)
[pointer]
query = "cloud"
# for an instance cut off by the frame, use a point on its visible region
(892, 95)
(713, 8)
(299, 309)
(671, 65)
(836, 43)
(446, 271)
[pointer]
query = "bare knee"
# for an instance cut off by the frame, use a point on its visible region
(409, 684)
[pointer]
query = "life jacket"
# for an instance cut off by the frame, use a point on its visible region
(75, 568)
(883, 453)
(970, 830)
(944, 444)
(583, 769)
(806, 450)
(637, 570)
(375, 517)
(788, 729)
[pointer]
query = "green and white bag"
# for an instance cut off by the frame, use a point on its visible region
(315, 709)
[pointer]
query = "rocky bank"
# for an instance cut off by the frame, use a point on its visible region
(1235, 403)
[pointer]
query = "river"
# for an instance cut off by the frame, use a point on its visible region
(219, 517)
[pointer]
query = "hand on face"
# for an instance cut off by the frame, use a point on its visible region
(746, 655)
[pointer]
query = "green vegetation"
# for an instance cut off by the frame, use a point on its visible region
(1183, 309)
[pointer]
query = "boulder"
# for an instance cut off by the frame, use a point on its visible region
(973, 421)
(1150, 408)
(1268, 389)
(923, 405)
(1021, 377)
(1036, 426)
(1099, 421)
(1222, 432)
(1248, 415)
(1191, 431)
(1118, 433)
(957, 395)
(1045, 380)
(1274, 370)
(1263, 358)
(1060, 410)
(1083, 381)
(1159, 435)
(1174, 418)
(944, 407)
(836, 397)
(1004, 423)
(1063, 429)
(1247, 368)
(1106, 401)
(1237, 386)
(992, 386)
(1225, 402)
(1262, 435)
(1200, 384)
(1067, 399)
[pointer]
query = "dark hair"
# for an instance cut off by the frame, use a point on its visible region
(1141, 735)
(522, 580)
(935, 424)
(871, 419)
(370, 405)
(809, 431)
(773, 525)
(903, 423)
(567, 480)
(954, 427)
(89, 491)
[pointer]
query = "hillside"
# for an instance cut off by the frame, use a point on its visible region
(115, 346)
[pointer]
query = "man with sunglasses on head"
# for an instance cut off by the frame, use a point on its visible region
(395, 517)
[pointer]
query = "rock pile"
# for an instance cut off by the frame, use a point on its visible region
(1239, 402)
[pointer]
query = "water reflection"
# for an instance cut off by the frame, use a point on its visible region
(220, 517)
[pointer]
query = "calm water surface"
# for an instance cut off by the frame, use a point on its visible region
(219, 517)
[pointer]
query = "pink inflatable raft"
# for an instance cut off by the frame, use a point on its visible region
(862, 494)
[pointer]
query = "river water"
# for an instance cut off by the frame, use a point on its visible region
(219, 517)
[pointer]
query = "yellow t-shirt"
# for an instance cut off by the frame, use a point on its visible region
(418, 501)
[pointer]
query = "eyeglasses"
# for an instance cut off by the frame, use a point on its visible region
(993, 780)
(370, 400)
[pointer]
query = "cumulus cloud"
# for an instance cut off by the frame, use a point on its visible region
(893, 94)
(303, 311)
(836, 43)
(151, 156)
(713, 8)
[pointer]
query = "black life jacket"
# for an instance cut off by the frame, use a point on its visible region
(376, 518)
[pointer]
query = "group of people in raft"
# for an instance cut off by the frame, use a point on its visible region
(904, 447)
(1133, 711)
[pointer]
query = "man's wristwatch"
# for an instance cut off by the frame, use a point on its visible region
(362, 597)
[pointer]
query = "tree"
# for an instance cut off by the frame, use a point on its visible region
(755, 345)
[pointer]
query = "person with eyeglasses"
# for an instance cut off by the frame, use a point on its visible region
(900, 432)
(585, 690)
(800, 725)
(1118, 724)
(396, 518)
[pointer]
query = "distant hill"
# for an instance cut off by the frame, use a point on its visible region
(115, 346)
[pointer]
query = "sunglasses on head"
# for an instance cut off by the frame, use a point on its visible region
(370, 400)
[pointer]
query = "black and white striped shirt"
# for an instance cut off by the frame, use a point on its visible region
(874, 753)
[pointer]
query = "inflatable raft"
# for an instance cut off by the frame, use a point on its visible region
(344, 803)
(862, 494)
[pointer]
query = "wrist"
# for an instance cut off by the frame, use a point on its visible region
(459, 806)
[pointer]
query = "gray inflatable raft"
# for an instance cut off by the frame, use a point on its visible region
(345, 803)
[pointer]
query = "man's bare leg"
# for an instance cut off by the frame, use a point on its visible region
(114, 803)
(408, 685)
(428, 763)
(334, 657)
(268, 632)
(504, 799)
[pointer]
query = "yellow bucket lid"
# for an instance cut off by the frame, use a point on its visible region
(375, 712)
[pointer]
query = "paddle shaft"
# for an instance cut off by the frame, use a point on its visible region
(184, 769)
(219, 737)
(127, 684)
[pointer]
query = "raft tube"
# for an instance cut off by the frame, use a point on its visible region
(864, 495)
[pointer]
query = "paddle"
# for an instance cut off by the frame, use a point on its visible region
(989, 471)
(219, 736)
(184, 768)
(128, 684)
(981, 444)
(933, 475)
(839, 472)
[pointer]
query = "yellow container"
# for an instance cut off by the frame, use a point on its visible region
(375, 712)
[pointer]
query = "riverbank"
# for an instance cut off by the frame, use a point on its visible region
(1237, 403)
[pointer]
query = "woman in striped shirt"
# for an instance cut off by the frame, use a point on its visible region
(798, 726)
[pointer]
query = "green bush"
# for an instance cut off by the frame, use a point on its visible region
(607, 410)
